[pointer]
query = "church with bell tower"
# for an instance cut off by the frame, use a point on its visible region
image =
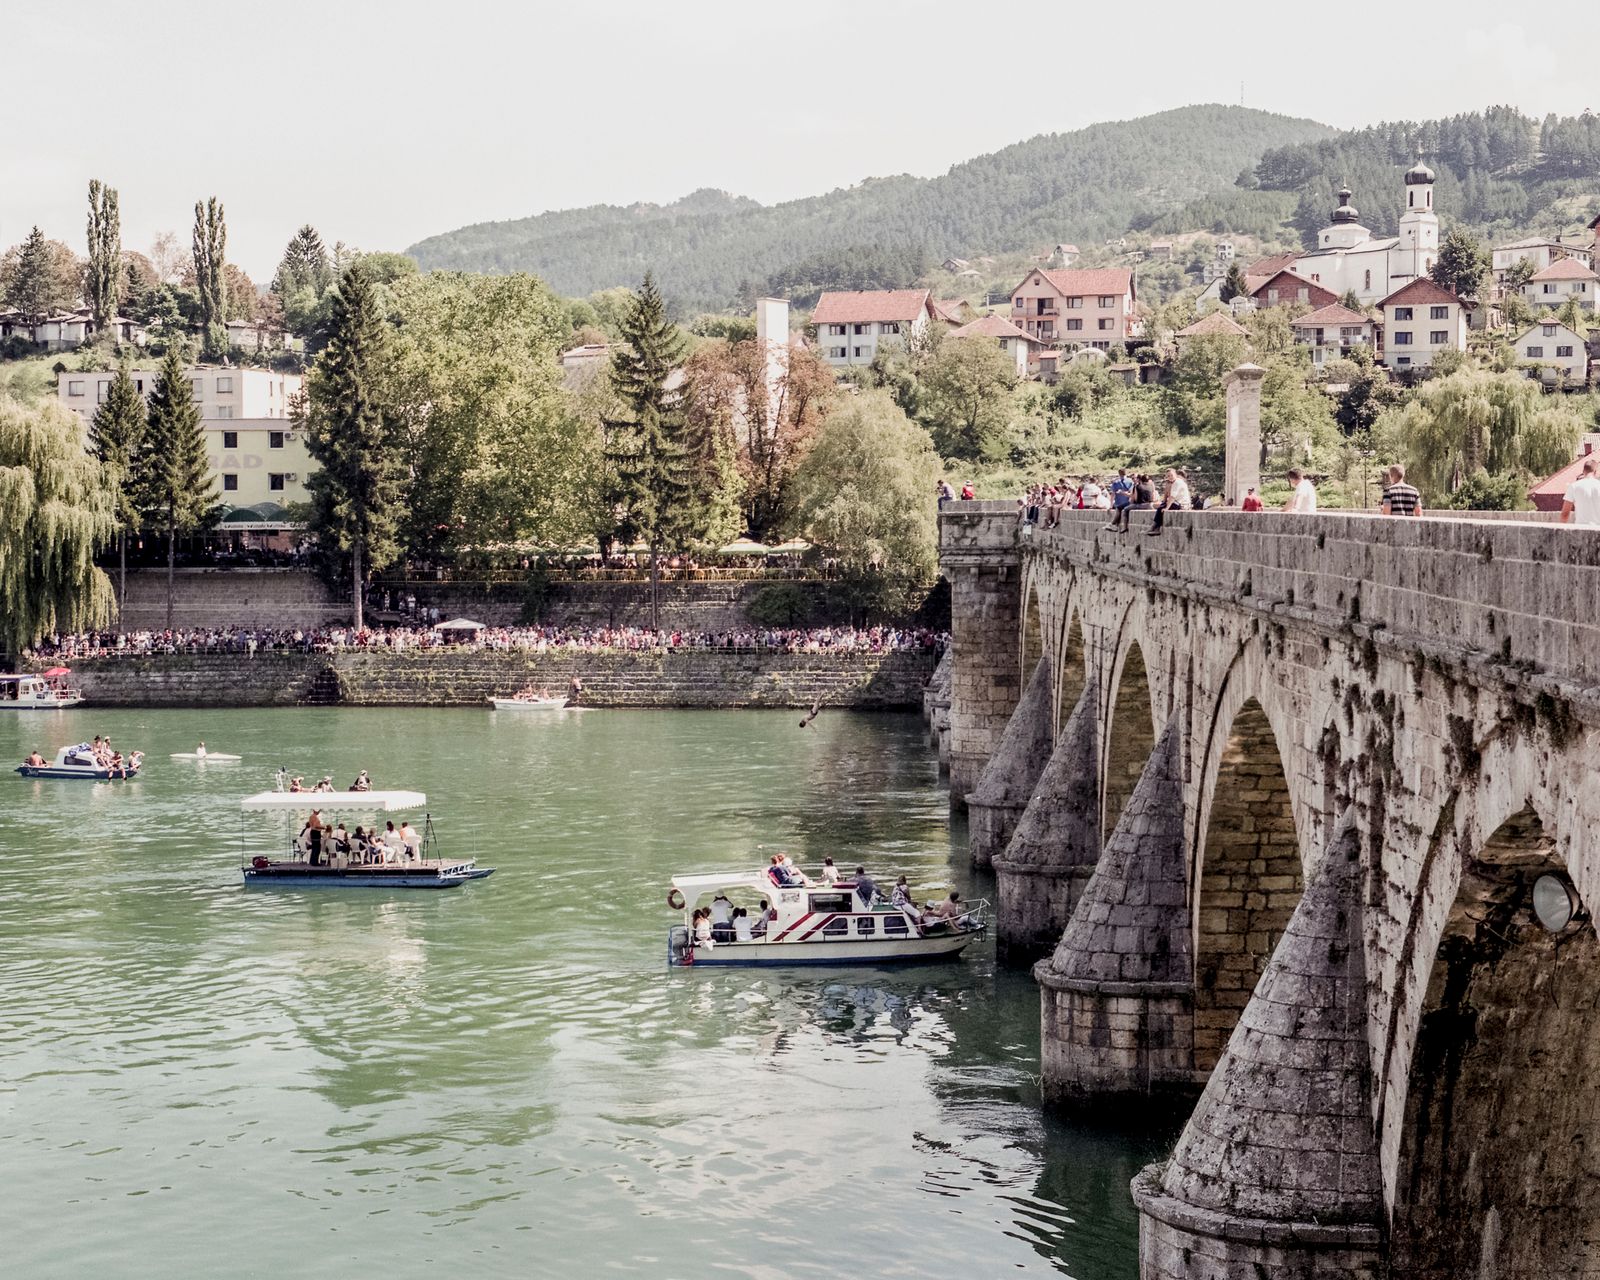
(1349, 258)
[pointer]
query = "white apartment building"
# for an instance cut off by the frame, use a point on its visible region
(220, 393)
(850, 326)
(1560, 282)
(1421, 320)
(1556, 347)
(1539, 250)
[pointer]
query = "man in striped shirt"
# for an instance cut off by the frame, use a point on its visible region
(1400, 498)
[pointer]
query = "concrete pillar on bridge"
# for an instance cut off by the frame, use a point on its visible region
(1117, 997)
(1276, 1176)
(1008, 779)
(1042, 873)
(978, 553)
(1242, 456)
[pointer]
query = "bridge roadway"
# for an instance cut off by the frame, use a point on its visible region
(1267, 798)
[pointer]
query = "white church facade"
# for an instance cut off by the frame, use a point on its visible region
(1350, 259)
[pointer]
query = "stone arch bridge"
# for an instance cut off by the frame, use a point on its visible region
(1270, 799)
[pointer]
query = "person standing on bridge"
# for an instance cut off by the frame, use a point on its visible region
(1581, 505)
(1302, 494)
(1400, 498)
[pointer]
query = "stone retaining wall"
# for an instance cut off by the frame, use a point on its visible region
(672, 678)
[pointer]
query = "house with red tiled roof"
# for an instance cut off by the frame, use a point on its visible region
(1286, 289)
(850, 326)
(1016, 345)
(1076, 308)
(1213, 324)
(953, 311)
(1563, 280)
(1332, 331)
(1420, 320)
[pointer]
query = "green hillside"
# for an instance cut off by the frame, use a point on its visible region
(711, 249)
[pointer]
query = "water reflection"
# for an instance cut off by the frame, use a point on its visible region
(500, 1076)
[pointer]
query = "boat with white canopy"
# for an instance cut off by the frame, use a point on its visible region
(811, 924)
(316, 858)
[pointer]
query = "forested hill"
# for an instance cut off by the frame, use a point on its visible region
(1499, 171)
(711, 249)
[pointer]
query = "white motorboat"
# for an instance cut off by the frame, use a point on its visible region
(528, 704)
(813, 924)
(78, 761)
(47, 691)
(312, 860)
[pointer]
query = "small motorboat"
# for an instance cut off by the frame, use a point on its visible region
(528, 704)
(814, 924)
(314, 863)
(47, 691)
(79, 762)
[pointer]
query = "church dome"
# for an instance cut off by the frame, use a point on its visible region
(1346, 212)
(1417, 174)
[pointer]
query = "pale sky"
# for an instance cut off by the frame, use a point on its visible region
(384, 122)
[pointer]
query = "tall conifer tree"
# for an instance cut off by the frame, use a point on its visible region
(210, 276)
(350, 431)
(103, 280)
(178, 491)
(117, 436)
(646, 447)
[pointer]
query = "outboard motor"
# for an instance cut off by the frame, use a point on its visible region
(680, 951)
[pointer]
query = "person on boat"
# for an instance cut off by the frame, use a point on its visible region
(702, 926)
(411, 841)
(866, 889)
(721, 918)
(200, 751)
(948, 912)
(35, 760)
(326, 784)
(741, 926)
(297, 783)
(796, 876)
(763, 913)
(830, 873)
(360, 848)
(392, 843)
(783, 874)
(311, 833)
(362, 782)
(117, 765)
(900, 898)
(341, 841)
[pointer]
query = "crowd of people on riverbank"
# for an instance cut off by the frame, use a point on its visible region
(528, 639)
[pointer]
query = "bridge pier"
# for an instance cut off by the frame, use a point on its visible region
(1007, 781)
(1117, 997)
(980, 557)
(1276, 1176)
(1042, 872)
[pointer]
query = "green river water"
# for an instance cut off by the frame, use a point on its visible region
(504, 1079)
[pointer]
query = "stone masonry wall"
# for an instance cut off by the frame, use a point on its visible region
(673, 678)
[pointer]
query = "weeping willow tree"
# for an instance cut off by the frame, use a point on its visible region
(57, 509)
(1477, 423)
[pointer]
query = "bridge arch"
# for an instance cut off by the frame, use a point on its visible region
(1072, 665)
(1130, 724)
(1034, 641)
(1248, 867)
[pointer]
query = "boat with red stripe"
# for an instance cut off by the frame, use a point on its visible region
(755, 920)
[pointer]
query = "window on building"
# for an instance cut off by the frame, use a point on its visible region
(1536, 353)
(100, 390)
(1017, 304)
(837, 353)
(860, 352)
(275, 481)
(1438, 313)
(1439, 337)
(1101, 346)
(1549, 288)
(1549, 330)
(199, 388)
(223, 411)
(1403, 360)
(230, 439)
(1074, 325)
(1402, 313)
(1303, 295)
(1272, 297)
(230, 483)
(1402, 339)
(1106, 322)
(1106, 300)
(224, 386)
(274, 439)
(889, 326)
(74, 388)
(860, 329)
(1073, 304)
(1366, 282)
(1582, 286)
(836, 330)
(1563, 353)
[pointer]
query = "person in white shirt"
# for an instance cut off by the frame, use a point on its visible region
(1581, 505)
(830, 873)
(741, 925)
(411, 840)
(721, 918)
(1303, 495)
(392, 844)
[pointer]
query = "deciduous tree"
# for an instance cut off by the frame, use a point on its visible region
(351, 432)
(1462, 265)
(103, 279)
(179, 491)
(117, 436)
(56, 512)
(968, 385)
(210, 276)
